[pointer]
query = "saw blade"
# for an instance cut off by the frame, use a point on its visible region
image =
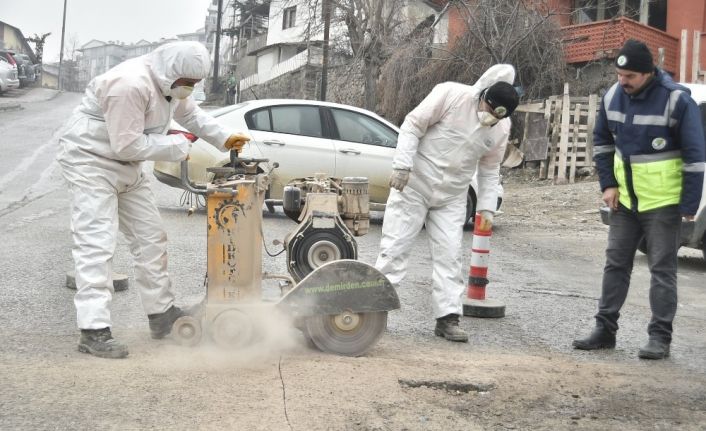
(348, 333)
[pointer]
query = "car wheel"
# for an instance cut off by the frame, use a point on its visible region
(470, 209)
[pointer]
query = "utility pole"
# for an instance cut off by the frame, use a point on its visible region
(61, 52)
(217, 49)
(326, 15)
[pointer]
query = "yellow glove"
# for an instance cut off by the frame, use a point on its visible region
(486, 220)
(236, 141)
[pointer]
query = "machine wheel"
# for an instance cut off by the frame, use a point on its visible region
(232, 329)
(320, 247)
(348, 333)
(187, 331)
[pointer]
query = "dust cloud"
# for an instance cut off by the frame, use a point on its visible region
(264, 335)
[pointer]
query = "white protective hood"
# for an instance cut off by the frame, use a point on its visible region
(177, 60)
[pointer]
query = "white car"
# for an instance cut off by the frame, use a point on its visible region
(8, 76)
(304, 137)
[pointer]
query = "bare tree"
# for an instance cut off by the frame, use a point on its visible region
(39, 42)
(496, 31)
(369, 30)
(70, 75)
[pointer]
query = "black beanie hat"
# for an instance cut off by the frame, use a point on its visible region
(502, 98)
(635, 56)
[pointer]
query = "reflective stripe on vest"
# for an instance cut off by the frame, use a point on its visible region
(656, 179)
(664, 120)
(612, 115)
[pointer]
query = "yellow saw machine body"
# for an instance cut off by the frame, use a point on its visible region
(339, 303)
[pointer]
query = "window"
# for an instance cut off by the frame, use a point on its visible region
(297, 120)
(355, 127)
(289, 17)
(260, 120)
(586, 11)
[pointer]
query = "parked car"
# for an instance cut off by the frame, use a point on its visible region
(8, 76)
(693, 233)
(26, 69)
(304, 137)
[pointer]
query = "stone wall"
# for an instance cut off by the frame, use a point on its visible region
(345, 85)
(303, 83)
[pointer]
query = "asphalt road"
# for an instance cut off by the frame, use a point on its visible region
(546, 271)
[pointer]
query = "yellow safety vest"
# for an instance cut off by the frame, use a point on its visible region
(656, 179)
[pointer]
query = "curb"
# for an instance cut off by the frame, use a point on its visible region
(11, 106)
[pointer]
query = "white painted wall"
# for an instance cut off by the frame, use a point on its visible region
(297, 33)
(267, 59)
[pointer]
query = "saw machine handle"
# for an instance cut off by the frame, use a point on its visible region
(234, 158)
(187, 183)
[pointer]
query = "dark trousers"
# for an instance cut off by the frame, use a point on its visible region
(660, 228)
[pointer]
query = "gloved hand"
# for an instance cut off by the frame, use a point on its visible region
(486, 219)
(399, 179)
(236, 141)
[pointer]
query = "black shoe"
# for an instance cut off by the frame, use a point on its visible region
(654, 349)
(161, 323)
(448, 328)
(600, 338)
(100, 342)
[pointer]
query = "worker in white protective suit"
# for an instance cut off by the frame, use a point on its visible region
(121, 122)
(456, 131)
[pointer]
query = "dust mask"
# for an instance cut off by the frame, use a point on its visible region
(487, 119)
(181, 92)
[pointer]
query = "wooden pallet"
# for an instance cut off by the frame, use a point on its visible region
(570, 123)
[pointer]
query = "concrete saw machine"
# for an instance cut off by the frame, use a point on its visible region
(339, 303)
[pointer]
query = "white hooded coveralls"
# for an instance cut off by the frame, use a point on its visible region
(443, 145)
(121, 122)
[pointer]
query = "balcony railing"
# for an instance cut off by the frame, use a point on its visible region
(603, 39)
(308, 56)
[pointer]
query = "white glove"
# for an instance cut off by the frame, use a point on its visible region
(399, 179)
(486, 219)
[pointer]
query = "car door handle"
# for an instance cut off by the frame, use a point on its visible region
(280, 143)
(349, 151)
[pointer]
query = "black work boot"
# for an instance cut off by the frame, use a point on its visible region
(100, 342)
(600, 338)
(448, 328)
(654, 349)
(161, 323)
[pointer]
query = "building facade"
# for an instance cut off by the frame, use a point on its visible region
(282, 36)
(12, 39)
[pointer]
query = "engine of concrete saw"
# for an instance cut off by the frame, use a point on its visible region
(339, 303)
(330, 213)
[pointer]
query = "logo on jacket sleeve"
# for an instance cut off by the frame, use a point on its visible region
(659, 143)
